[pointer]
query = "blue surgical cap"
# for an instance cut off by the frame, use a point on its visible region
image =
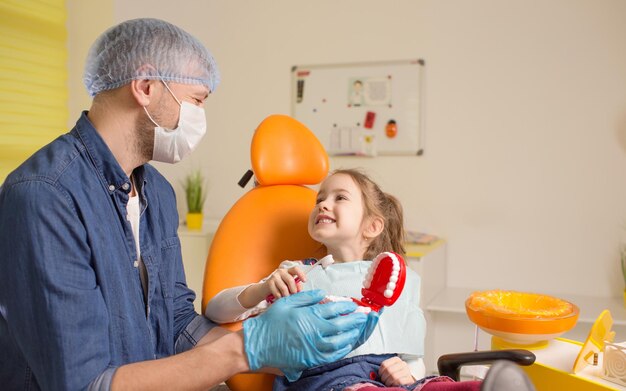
(148, 49)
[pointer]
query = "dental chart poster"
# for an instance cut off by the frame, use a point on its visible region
(363, 109)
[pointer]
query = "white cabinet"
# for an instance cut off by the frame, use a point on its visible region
(429, 261)
(449, 328)
(195, 248)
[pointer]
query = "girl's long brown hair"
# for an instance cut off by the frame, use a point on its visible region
(377, 203)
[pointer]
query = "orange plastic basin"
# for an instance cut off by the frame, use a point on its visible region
(518, 315)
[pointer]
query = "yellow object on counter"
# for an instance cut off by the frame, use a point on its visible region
(599, 333)
(552, 369)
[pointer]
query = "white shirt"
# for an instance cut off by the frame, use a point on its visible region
(132, 208)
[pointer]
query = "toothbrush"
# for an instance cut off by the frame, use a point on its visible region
(324, 262)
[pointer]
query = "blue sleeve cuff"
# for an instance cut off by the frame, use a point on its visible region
(195, 330)
(102, 382)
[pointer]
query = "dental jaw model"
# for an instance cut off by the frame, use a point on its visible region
(383, 283)
(382, 286)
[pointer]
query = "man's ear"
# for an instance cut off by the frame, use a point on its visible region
(374, 227)
(143, 91)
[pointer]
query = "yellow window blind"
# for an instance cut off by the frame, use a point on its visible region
(33, 78)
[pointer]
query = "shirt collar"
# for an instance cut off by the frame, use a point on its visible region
(109, 170)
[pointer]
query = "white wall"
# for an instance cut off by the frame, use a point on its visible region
(82, 29)
(524, 166)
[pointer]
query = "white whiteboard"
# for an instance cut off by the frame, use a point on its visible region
(364, 109)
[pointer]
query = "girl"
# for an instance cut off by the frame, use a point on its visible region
(355, 221)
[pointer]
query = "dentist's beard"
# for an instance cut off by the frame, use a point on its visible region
(144, 140)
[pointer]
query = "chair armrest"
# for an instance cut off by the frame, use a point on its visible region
(450, 364)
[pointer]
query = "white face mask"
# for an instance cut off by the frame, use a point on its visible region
(172, 145)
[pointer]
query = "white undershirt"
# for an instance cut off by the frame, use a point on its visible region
(132, 208)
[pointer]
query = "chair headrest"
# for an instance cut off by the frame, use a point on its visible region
(285, 152)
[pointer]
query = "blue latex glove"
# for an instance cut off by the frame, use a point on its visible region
(296, 333)
(368, 327)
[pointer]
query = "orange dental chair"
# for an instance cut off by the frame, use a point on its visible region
(268, 224)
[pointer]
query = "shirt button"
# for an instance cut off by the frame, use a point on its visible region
(111, 187)
(136, 264)
(125, 186)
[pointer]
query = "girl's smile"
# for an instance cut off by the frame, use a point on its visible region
(323, 219)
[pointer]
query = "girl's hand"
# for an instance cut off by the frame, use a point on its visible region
(395, 372)
(282, 282)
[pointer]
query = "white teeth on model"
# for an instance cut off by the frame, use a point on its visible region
(393, 278)
(324, 221)
(364, 310)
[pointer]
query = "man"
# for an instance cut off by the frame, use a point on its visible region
(92, 288)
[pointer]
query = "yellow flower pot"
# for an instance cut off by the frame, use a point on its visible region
(194, 221)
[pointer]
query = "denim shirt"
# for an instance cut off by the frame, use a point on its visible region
(71, 301)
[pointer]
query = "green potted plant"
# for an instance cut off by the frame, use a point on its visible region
(195, 191)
